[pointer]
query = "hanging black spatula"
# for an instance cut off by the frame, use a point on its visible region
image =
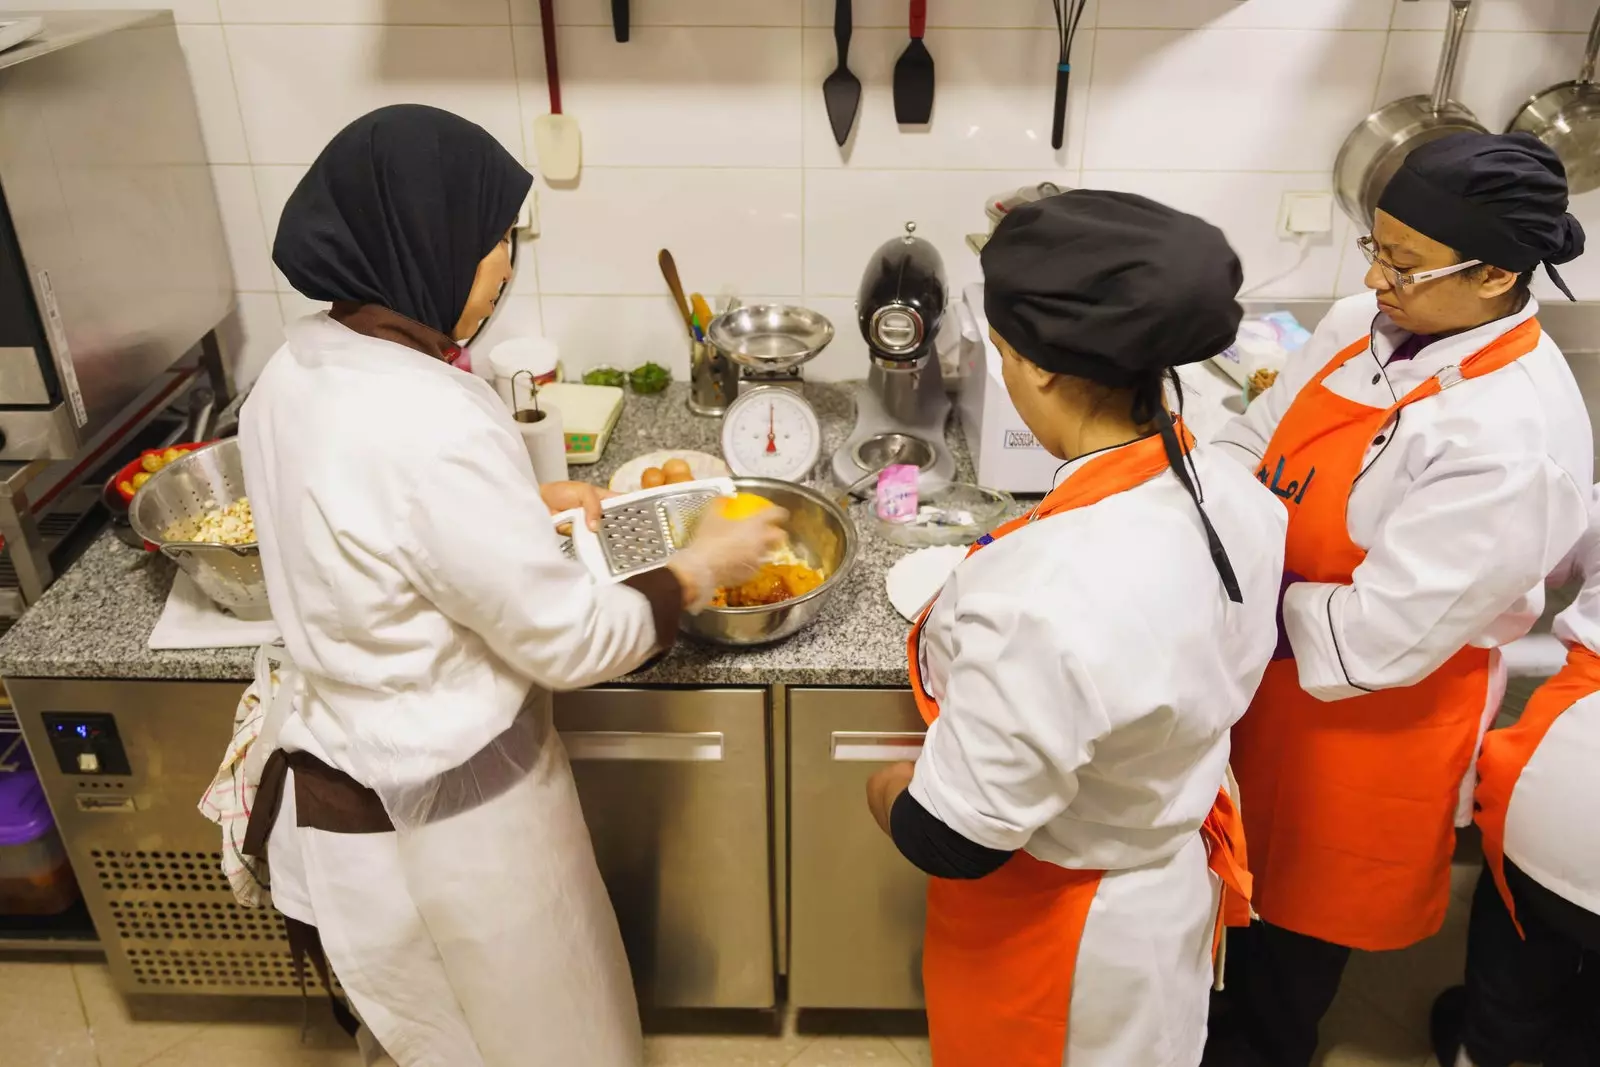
(913, 73)
(619, 20)
(841, 91)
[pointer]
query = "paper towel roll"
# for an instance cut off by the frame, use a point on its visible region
(545, 441)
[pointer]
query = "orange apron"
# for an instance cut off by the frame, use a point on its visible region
(1506, 752)
(1351, 803)
(999, 952)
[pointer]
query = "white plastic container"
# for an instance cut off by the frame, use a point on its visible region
(537, 356)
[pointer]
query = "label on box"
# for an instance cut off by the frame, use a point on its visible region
(1020, 441)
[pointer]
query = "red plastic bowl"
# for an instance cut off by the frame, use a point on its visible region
(137, 467)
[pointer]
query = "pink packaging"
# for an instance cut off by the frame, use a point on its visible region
(897, 493)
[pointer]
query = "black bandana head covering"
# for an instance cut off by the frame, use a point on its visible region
(398, 211)
(1500, 198)
(1117, 289)
(1110, 286)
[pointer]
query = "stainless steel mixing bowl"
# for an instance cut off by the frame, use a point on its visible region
(821, 533)
(770, 337)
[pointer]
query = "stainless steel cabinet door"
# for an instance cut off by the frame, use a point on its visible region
(674, 788)
(855, 905)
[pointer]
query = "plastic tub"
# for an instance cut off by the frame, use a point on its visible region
(35, 878)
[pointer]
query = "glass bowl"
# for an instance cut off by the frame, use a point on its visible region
(957, 514)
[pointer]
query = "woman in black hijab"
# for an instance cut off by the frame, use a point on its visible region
(419, 816)
(1434, 456)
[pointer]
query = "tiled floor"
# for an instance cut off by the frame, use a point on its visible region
(67, 1014)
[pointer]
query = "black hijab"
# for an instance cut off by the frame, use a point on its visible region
(398, 211)
(1500, 198)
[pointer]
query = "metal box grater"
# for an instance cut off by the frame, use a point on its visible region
(640, 530)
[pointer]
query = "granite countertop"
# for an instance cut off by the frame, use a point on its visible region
(94, 621)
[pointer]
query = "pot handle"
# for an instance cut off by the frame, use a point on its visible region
(1453, 31)
(1586, 75)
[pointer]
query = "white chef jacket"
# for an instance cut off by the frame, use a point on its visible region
(409, 559)
(1555, 803)
(1088, 668)
(1466, 501)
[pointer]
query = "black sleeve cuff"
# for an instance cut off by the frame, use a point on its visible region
(935, 848)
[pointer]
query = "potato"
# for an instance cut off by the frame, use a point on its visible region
(652, 478)
(677, 470)
(139, 480)
(152, 462)
(169, 455)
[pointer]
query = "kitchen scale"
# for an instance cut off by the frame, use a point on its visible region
(770, 430)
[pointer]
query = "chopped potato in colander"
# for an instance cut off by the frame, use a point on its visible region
(231, 525)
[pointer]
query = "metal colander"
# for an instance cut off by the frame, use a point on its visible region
(167, 514)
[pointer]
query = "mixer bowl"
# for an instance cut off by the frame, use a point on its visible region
(821, 533)
(167, 512)
(770, 337)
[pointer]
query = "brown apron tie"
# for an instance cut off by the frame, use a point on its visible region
(306, 943)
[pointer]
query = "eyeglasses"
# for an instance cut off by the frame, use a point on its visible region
(1399, 280)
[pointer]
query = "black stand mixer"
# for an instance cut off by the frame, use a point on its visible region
(901, 408)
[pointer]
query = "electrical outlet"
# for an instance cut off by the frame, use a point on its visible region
(1300, 214)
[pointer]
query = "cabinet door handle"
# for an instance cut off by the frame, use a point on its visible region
(705, 747)
(859, 746)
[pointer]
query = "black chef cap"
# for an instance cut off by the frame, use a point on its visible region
(1499, 198)
(1119, 290)
(1110, 286)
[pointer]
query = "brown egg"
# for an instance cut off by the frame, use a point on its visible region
(677, 470)
(652, 478)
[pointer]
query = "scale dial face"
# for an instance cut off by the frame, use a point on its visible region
(771, 432)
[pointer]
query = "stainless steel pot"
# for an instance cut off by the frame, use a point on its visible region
(821, 533)
(1375, 149)
(1567, 118)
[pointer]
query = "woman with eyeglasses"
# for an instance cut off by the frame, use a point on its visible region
(1435, 457)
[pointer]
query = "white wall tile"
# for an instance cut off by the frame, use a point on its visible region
(733, 230)
(273, 186)
(846, 359)
(623, 331)
(1227, 99)
(1231, 14)
(1570, 15)
(993, 95)
(1496, 74)
(241, 225)
(1582, 275)
(393, 12)
(517, 316)
(299, 85)
(970, 14)
(673, 96)
(1246, 208)
(294, 306)
(250, 335)
(666, 12)
(850, 213)
(182, 10)
(206, 54)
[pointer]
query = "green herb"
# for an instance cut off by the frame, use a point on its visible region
(605, 376)
(649, 378)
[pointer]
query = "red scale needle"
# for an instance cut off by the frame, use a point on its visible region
(772, 429)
